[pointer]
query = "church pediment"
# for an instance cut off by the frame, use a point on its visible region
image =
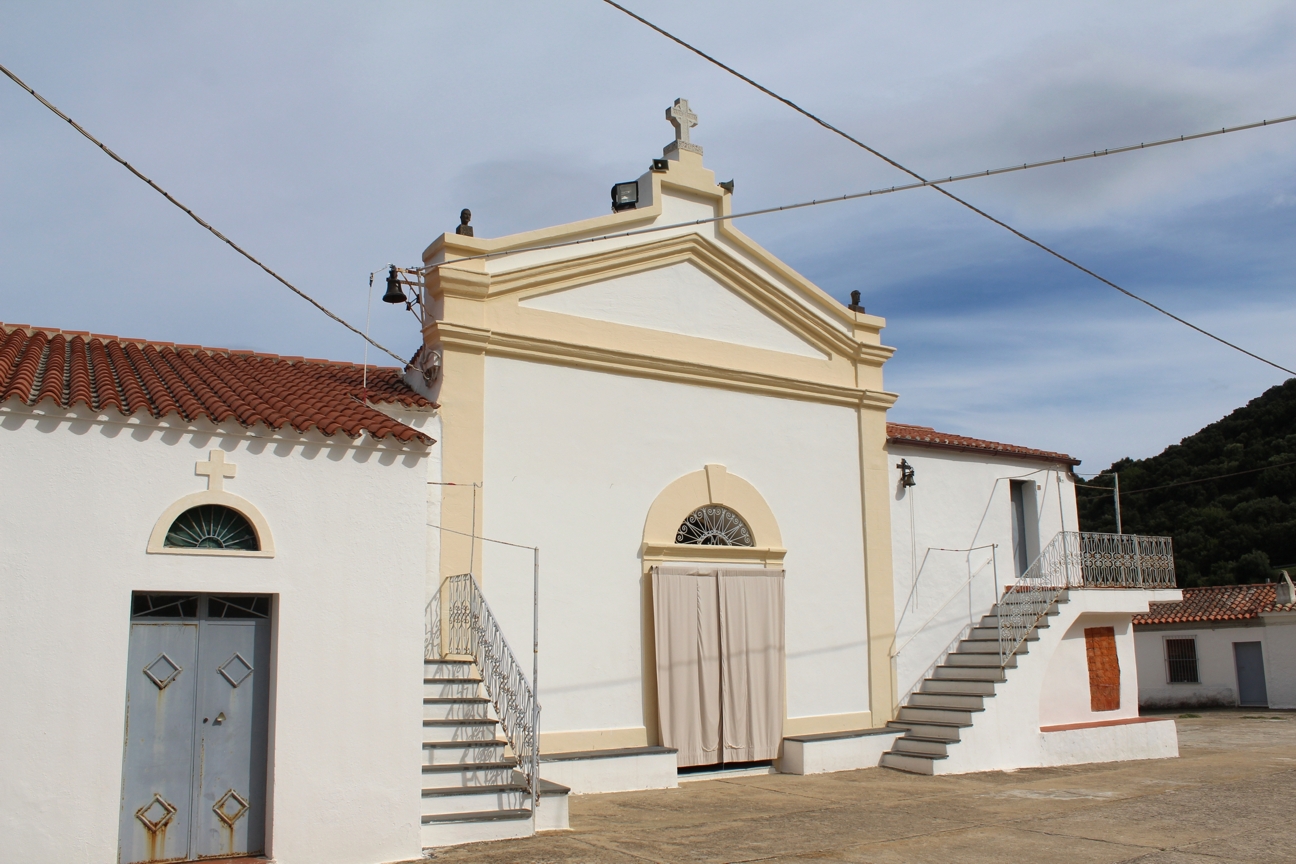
(681, 298)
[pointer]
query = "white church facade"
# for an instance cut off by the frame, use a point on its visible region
(635, 509)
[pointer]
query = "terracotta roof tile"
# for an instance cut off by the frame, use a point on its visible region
(926, 436)
(130, 375)
(1217, 603)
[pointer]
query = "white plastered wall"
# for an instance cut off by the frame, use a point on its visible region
(1216, 669)
(573, 461)
(348, 574)
(961, 501)
(1065, 697)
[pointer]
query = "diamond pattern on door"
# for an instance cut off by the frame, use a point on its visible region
(235, 670)
(156, 814)
(225, 813)
(162, 671)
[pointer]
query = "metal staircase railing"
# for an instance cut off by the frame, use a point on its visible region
(474, 632)
(1080, 559)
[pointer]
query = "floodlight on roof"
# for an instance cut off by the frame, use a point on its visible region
(625, 196)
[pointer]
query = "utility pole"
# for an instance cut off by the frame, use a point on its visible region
(1116, 499)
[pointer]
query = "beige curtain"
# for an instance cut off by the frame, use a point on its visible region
(751, 671)
(720, 663)
(686, 618)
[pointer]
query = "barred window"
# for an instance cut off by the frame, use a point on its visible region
(1181, 661)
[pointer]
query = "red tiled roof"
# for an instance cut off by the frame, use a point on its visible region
(926, 436)
(1217, 603)
(130, 375)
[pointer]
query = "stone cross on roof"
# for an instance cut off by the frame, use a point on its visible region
(683, 120)
(216, 470)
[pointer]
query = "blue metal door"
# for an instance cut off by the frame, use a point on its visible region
(194, 769)
(157, 789)
(1249, 659)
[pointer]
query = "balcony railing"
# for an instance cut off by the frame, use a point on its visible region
(1079, 559)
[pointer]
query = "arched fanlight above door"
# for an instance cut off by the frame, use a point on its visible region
(714, 525)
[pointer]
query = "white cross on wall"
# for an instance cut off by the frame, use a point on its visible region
(682, 119)
(216, 470)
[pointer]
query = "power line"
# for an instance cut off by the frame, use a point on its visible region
(851, 196)
(1184, 482)
(887, 159)
(196, 218)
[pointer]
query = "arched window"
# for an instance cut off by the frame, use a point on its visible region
(211, 526)
(714, 525)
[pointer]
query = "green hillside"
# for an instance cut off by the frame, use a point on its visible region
(1229, 530)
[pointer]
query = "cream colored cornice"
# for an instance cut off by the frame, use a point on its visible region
(475, 340)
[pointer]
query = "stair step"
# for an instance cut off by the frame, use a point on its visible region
(909, 762)
(953, 686)
(989, 646)
(438, 801)
(991, 634)
(466, 730)
(935, 731)
(450, 688)
(455, 708)
(966, 673)
(920, 747)
(935, 715)
(467, 774)
(450, 669)
(463, 752)
(454, 828)
(971, 659)
(955, 701)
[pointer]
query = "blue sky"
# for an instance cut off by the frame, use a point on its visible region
(331, 139)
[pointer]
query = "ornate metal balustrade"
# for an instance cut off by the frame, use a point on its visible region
(473, 632)
(1076, 559)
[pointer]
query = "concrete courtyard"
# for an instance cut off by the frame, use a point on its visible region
(1229, 797)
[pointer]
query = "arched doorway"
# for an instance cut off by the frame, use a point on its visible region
(713, 567)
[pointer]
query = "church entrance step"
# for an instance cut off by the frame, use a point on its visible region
(966, 673)
(978, 659)
(455, 708)
(449, 829)
(934, 731)
(958, 686)
(909, 762)
(452, 688)
(935, 715)
(462, 752)
(920, 746)
(468, 774)
(444, 800)
(459, 730)
(957, 701)
(450, 669)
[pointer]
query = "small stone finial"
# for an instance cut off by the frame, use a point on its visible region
(683, 120)
(465, 216)
(855, 302)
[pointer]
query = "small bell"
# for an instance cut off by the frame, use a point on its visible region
(394, 293)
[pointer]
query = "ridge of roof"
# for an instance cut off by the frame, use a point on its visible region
(926, 436)
(72, 367)
(1217, 603)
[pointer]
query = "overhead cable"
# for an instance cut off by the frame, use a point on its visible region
(192, 215)
(852, 196)
(887, 159)
(1125, 492)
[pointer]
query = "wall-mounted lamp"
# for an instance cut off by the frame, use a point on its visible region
(906, 474)
(395, 294)
(625, 196)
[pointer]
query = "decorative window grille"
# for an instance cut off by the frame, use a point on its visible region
(714, 526)
(211, 526)
(1181, 661)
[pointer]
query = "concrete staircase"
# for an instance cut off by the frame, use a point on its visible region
(934, 716)
(471, 792)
